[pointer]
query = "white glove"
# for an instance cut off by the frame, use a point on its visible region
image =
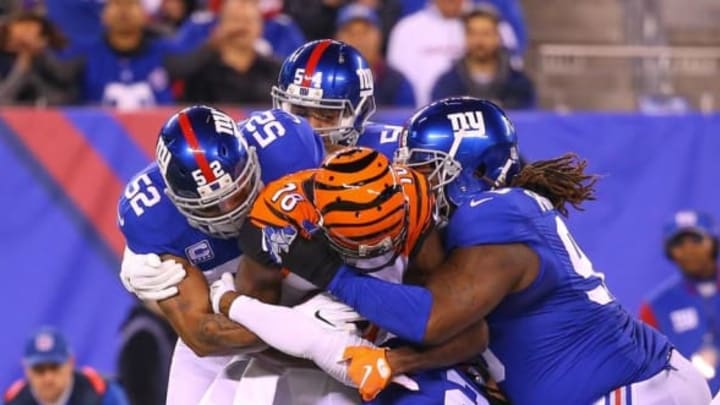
(225, 283)
(330, 313)
(146, 276)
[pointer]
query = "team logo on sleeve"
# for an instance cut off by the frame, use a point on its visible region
(277, 241)
(200, 252)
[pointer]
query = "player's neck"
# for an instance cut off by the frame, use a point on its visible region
(240, 59)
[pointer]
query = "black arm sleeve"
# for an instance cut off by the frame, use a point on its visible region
(312, 259)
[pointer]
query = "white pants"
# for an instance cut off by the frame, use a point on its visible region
(681, 384)
(262, 385)
(191, 376)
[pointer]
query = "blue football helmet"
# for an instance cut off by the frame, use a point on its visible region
(329, 80)
(464, 145)
(211, 173)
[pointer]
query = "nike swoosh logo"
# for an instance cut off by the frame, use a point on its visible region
(319, 317)
(368, 371)
(475, 203)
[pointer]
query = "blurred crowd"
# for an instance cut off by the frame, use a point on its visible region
(137, 53)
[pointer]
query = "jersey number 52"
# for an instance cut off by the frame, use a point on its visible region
(141, 194)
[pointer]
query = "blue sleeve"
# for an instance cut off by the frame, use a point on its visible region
(403, 310)
(114, 395)
(497, 218)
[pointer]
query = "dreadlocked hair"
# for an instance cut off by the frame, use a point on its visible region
(561, 180)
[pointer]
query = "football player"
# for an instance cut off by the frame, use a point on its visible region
(331, 84)
(183, 212)
(557, 335)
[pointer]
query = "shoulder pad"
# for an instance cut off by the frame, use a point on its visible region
(284, 143)
(146, 217)
(381, 137)
(495, 217)
(285, 203)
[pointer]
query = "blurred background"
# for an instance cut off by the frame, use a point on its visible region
(630, 85)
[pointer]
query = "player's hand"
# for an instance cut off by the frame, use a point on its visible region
(369, 369)
(150, 278)
(221, 286)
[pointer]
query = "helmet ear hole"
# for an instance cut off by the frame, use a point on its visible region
(223, 151)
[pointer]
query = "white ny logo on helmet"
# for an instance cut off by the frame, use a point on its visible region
(468, 123)
(465, 124)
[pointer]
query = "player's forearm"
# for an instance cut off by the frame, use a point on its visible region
(206, 333)
(217, 335)
(464, 346)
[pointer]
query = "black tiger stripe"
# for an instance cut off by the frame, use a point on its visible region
(361, 224)
(372, 235)
(344, 205)
(355, 165)
(359, 183)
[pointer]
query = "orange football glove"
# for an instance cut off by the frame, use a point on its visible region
(369, 369)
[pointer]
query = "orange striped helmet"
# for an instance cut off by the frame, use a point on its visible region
(363, 205)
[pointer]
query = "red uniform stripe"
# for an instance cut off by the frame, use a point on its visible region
(618, 396)
(313, 60)
(72, 162)
(198, 153)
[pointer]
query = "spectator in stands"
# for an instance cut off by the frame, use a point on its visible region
(389, 12)
(424, 44)
(485, 70)
(126, 67)
(234, 72)
(316, 18)
(280, 30)
(29, 73)
(359, 26)
(281, 36)
(53, 379)
(148, 341)
(687, 307)
(173, 14)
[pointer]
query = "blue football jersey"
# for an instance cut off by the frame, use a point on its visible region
(381, 137)
(151, 223)
(564, 339)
